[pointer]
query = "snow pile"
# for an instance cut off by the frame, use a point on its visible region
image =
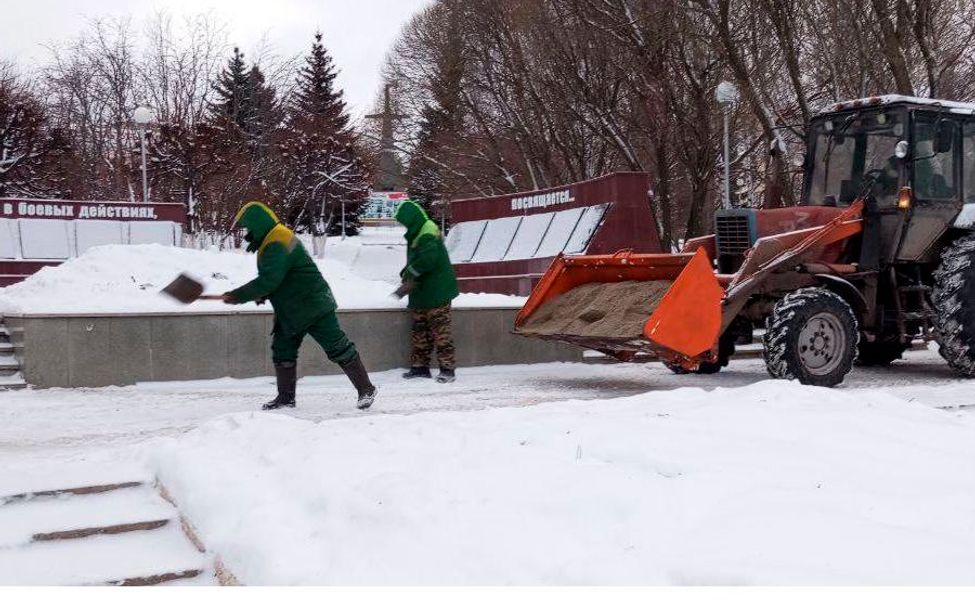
(773, 483)
(127, 278)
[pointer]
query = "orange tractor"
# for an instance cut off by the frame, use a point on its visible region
(880, 252)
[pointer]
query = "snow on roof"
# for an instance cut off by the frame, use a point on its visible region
(890, 99)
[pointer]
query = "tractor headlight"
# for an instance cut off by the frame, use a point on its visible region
(901, 149)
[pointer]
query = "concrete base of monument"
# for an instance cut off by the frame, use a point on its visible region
(91, 350)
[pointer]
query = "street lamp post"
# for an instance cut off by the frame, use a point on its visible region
(142, 116)
(727, 95)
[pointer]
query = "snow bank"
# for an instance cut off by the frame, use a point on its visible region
(773, 483)
(362, 272)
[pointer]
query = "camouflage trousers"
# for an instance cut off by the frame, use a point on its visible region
(431, 329)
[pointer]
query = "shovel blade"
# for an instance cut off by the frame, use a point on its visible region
(184, 288)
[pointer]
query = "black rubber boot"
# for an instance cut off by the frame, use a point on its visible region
(417, 372)
(287, 374)
(446, 376)
(360, 379)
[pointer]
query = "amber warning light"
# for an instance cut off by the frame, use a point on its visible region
(904, 198)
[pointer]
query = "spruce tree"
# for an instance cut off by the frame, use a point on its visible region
(232, 88)
(318, 168)
(318, 107)
(244, 98)
(263, 110)
(230, 157)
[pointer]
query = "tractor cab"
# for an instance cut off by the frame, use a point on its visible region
(912, 160)
(851, 151)
(885, 143)
(905, 156)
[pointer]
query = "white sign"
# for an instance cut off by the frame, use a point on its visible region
(27, 209)
(541, 200)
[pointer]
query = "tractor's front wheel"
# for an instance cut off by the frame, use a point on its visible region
(954, 290)
(811, 336)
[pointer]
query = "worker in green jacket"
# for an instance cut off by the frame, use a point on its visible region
(302, 301)
(431, 283)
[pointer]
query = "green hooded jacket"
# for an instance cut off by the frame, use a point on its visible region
(286, 274)
(427, 262)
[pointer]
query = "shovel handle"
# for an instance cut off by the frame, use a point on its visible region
(210, 297)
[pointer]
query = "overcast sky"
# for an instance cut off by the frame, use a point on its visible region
(357, 32)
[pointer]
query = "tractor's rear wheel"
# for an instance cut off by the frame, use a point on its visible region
(880, 354)
(954, 290)
(811, 336)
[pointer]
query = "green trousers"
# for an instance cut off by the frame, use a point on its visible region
(325, 331)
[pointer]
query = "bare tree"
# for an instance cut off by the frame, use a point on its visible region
(178, 66)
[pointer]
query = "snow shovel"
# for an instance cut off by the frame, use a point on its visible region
(187, 290)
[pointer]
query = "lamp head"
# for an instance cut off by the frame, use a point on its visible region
(726, 93)
(142, 116)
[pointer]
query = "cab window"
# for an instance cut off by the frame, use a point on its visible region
(935, 176)
(968, 163)
(854, 151)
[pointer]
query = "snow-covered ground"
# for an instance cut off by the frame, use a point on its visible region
(767, 484)
(546, 473)
(362, 271)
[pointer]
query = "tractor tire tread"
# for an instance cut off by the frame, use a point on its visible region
(954, 319)
(780, 332)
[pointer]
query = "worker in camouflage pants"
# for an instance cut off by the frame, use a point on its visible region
(429, 279)
(431, 330)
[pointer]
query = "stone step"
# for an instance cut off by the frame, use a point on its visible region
(12, 381)
(83, 490)
(6, 348)
(9, 367)
(133, 558)
(157, 579)
(76, 516)
(112, 529)
(120, 533)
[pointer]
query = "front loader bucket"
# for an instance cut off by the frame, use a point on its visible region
(688, 319)
(685, 324)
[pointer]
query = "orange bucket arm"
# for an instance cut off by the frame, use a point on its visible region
(688, 319)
